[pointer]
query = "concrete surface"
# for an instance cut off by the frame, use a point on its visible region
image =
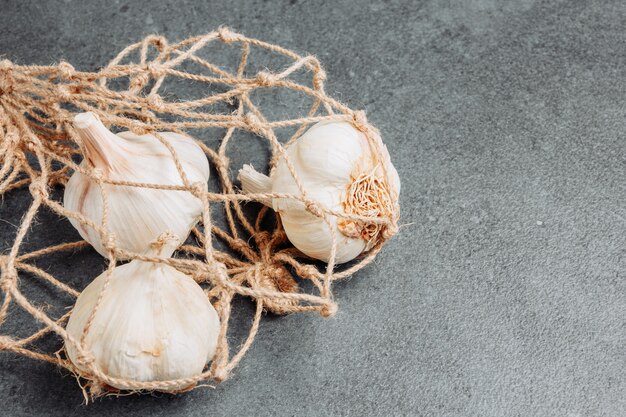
(504, 295)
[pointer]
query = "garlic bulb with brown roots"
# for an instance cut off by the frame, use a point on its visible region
(340, 169)
(136, 215)
(154, 323)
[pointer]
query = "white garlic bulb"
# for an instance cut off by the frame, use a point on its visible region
(136, 215)
(154, 323)
(341, 170)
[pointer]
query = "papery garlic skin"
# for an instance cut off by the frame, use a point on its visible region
(326, 159)
(136, 215)
(154, 323)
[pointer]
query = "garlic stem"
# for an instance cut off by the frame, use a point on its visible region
(253, 182)
(96, 138)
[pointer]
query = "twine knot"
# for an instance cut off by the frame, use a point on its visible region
(239, 245)
(274, 277)
(253, 122)
(139, 81)
(6, 80)
(39, 188)
(64, 93)
(8, 276)
(217, 271)
(359, 120)
(265, 79)
(329, 310)
(158, 41)
(109, 242)
(156, 102)
(198, 189)
(155, 70)
(313, 208)
(5, 65)
(319, 78)
(220, 375)
(226, 35)
(307, 271)
(97, 174)
(66, 70)
(6, 343)
(262, 236)
(222, 163)
(31, 146)
(12, 136)
(139, 128)
(389, 231)
(85, 360)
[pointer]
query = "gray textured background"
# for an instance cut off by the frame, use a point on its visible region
(505, 296)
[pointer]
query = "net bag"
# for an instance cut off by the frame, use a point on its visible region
(39, 150)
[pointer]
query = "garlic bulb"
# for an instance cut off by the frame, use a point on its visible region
(154, 323)
(136, 215)
(340, 169)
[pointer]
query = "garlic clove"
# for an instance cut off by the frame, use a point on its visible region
(136, 215)
(154, 323)
(339, 169)
(313, 238)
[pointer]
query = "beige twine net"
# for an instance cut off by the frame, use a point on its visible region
(38, 149)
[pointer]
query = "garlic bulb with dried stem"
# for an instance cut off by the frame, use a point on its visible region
(137, 216)
(153, 322)
(339, 168)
